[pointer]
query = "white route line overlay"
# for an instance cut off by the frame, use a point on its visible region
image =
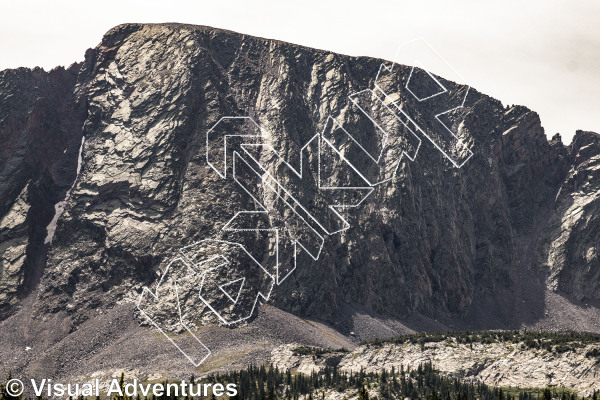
(268, 180)
(155, 296)
(452, 71)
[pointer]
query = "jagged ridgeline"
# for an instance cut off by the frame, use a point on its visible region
(438, 237)
(104, 177)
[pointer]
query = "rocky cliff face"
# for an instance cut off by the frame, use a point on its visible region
(40, 130)
(570, 248)
(436, 240)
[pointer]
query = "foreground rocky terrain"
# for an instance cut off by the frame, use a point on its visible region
(104, 177)
(504, 364)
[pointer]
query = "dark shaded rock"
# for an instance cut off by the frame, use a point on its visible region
(40, 131)
(436, 240)
(572, 239)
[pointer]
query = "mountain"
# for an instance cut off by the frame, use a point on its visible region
(104, 179)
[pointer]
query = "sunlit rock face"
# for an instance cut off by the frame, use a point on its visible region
(435, 239)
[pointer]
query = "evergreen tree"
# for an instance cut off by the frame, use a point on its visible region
(363, 394)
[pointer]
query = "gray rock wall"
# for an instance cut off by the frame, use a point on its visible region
(436, 240)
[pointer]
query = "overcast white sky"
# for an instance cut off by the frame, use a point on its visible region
(544, 54)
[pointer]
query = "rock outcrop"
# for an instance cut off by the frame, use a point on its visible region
(40, 131)
(572, 239)
(437, 240)
(495, 364)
